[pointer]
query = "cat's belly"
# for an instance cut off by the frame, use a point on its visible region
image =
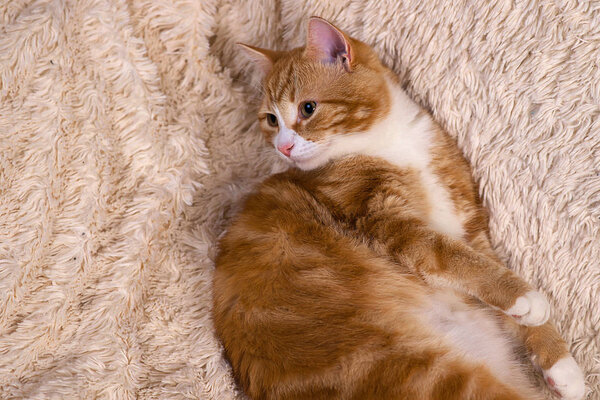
(474, 333)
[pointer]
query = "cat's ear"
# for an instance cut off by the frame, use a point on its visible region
(262, 58)
(327, 43)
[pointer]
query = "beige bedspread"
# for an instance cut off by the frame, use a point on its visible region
(128, 137)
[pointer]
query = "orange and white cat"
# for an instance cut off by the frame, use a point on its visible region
(365, 271)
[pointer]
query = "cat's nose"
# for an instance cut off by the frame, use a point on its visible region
(285, 149)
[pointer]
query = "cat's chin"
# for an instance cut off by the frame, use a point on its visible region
(307, 164)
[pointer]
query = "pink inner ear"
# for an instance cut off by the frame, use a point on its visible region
(325, 42)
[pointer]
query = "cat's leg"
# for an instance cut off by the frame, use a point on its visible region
(481, 243)
(546, 347)
(443, 261)
(550, 353)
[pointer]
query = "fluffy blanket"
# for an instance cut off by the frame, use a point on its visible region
(128, 138)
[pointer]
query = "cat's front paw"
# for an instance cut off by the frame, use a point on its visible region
(566, 379)
(531, 309)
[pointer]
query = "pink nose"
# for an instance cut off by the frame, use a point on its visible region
(285, 149)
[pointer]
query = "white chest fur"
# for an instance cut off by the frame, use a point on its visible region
(404, 138)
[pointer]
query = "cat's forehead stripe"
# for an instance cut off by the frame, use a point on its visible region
(282, 84)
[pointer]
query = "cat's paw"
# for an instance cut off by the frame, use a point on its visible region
(566, 379)
(531, 309)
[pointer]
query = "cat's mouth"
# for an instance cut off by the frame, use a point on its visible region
(303, 154)
(302, 160)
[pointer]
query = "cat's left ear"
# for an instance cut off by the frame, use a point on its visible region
(263, 58)
(327, 43)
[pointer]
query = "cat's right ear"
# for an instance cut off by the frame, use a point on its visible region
(262, 58)
(328, 44)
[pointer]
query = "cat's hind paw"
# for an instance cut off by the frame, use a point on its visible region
(531, 309)
(566, 379)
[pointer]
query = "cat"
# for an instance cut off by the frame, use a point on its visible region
(365, 271)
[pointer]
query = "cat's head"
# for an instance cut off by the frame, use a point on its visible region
(331, 89)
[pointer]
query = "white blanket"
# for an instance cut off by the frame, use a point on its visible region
(128, 138)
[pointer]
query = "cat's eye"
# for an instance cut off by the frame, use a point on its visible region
(307, 108)
(271, 119)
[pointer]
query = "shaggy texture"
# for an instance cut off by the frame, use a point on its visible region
(128, 138)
